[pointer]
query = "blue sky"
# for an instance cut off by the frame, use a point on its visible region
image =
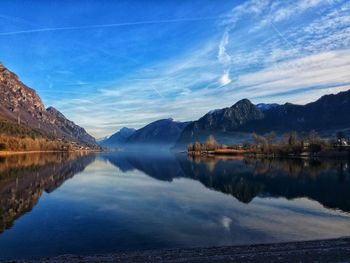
(109, 64)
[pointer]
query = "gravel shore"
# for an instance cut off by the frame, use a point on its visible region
(335, 250)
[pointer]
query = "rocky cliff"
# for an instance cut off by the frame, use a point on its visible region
(22, 105)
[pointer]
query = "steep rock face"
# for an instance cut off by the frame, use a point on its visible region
(119, 138)
(164, 131)
(330, 112)
(69, 127)
(21, 104)
(222, 121)
(230, 119)
(18, 100)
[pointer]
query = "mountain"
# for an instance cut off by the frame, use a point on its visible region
(329, 113)
(118, 138)
(24, 179)
(248, 178)
(22, 109)
(165, 132)
(221, 123)
(229, 118)
(69, 127)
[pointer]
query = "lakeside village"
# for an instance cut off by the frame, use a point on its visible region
(270, 145)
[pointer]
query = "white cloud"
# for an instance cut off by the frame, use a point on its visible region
(324, 69)
(225, 78)
(306, 60)
(280, 11)
(223, 56)
(251, 7)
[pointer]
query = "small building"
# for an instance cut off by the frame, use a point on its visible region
(342, 142)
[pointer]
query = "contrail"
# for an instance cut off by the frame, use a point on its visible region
(51, 29)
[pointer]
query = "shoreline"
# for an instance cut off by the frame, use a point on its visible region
(329, 250)
(7, 153)
(327, 155)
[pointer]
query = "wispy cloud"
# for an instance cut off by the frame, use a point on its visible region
(280, 69)
(325, 69)
(125, 24)
(225, 78)
(264, 50)
(223, 56)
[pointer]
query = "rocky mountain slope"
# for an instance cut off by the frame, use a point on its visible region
(69, 127)
(330, 112)
(21, 105)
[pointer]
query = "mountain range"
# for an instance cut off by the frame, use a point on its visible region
(249, 178)
(235, 124)
(326, 115)
(22, 108)
(22, 113)
(163, 132)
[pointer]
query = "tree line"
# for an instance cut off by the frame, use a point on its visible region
(291, 143)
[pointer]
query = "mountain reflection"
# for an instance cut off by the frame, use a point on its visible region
(23, 179)
(326, 181)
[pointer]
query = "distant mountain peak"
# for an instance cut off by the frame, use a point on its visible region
(242, 102)
(126, 129)
(119, 138)
(214, 111)
(329, 113)
(163, 131)
(164, 120)
(245, 107)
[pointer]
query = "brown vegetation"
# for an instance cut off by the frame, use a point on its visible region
(290, 144)
(16, 137)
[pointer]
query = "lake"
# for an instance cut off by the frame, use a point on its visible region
(61, 203)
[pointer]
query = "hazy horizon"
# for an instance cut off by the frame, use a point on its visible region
(106, 65)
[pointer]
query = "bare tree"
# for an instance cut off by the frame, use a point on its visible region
(211, 144)
(197, 147)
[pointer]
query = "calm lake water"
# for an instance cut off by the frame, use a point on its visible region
(53, 204)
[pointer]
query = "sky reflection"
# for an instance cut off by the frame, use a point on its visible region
(104, 209)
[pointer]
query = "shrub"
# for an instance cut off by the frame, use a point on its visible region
(210, 143)
(2, 146)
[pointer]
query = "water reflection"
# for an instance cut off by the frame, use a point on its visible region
(23, 179)
(131, 201)
(325, 181)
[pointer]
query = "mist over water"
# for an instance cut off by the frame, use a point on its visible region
(52, 204)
